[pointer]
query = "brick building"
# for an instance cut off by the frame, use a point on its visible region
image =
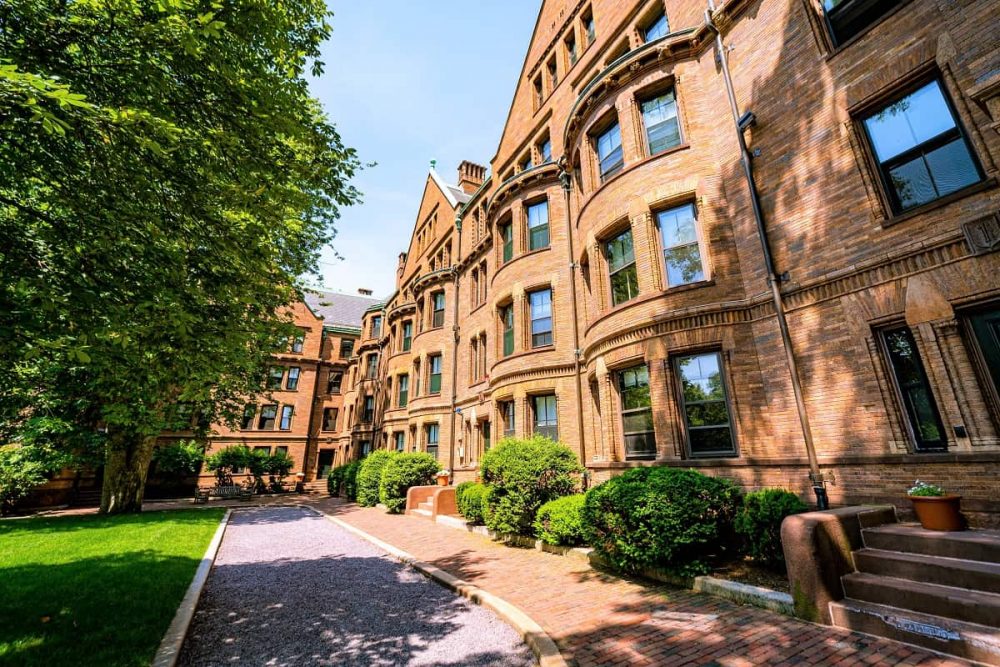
(607, 284)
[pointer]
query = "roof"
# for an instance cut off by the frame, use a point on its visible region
(453, 193)
(338, 309)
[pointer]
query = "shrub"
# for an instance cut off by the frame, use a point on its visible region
(351, 480)
(335, 480)
(226, 461)
(558, 521)
(470, 497)
(403, 471)
(522, 476)
(370, 476)
(278, 466)
(759, 523)
(21, 470)
(179, 460)
(661, 517)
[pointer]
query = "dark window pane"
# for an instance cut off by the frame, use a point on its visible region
(912, 183)
(637, 422)
(640, 445)
(711, 441)
(705, 405)
(914, 388)
(713, 413)
(952, 167)
(847, 18)
(656, 28)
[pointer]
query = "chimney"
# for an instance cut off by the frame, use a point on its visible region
(364, 292)
(470, 176)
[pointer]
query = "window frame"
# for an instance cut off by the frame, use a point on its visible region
(298, 343)
(437, 314)
(508, 417)
(434, 428)
(839, 42)
(431, 375)
(376, 326)
(507, 328)
(333, 424)
(262, 419)
(612, 273)
(538, 228)
(698, 234)
(652, 19)
(285, 419)
(330, 384)
(249, 417)
(550, 340)
(543, 429)
(275, 382)
(407, 335)
(343, 343)
(683, 404)
(606, 174)
(624, 412)
(292, 383)
(399, 443)
(403, 390)
(506, 232)
(916, 441)
(649, 96)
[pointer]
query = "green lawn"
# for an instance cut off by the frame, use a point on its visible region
(94, 590)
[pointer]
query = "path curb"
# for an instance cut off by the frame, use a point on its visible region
(173, 639)
(540, 643)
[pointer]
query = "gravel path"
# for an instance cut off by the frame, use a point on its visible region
(291, 588)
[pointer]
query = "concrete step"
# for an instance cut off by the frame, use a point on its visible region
(960, 604)
(958, 572)
(981, 545)
(965, 640)
(420, 511)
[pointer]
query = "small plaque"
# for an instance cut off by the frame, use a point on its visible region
(925, 629)
(983, 235)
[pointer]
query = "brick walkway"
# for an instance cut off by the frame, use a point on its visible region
(600, 619)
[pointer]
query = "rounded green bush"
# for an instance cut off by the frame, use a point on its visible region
(403, 471)
(758, 522)
(661, 517)
(559, 522)
(370, 476)
(335, 480)
(470, 497)
(351, 480)
(522, 475)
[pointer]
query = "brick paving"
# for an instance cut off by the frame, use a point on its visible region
(601, 619)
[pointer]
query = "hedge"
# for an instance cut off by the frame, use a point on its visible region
(660, 517)
(559, 521)
(342, 480)
(403, 471)
(759, 523)
(470, 497)
(370, 476)
(522, 475)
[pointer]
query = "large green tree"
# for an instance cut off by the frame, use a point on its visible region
(165, 178)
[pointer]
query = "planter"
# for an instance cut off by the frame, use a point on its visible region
(442, 481)
(939, 512)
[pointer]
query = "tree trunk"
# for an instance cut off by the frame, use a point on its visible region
(126, 466)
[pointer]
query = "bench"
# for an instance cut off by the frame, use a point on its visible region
(225, 492)
(201, 494)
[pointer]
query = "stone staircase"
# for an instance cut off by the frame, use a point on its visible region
(424, 509)
(937, 590)
(86, 498)
(316, 487)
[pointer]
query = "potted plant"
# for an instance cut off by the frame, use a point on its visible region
(442, 477)
(936, 509)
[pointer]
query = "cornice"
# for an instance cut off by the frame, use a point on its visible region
(519, 181)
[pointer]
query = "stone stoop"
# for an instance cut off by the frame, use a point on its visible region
(936, 590)
(431, 502)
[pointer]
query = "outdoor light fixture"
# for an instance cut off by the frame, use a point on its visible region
(746, 121)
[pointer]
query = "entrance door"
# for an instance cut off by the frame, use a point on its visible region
(325, 463)
(986, 327)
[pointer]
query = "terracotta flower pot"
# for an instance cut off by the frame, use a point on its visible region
(442, 481)
(939, 512)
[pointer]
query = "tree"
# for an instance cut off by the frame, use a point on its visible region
(165, 180)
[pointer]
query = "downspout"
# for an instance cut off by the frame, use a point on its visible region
(567, 185)
(742, 123)
(310, 439)
(454, 348)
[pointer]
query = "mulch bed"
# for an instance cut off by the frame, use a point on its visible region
(747, 572)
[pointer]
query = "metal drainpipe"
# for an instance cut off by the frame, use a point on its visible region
(815, 476)
(310, 438)
(564, 180)
(454, 351)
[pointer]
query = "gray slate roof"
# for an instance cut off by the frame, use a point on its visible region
(337, 309)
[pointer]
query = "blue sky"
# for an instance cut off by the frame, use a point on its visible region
(407, 82)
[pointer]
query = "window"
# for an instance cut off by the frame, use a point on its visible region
(400, 438)
(507, 323)
(922, 415)
(275, 376)
(540, 303)
(553, 73)
(546, 421)
(609, 151)
(705, 405)
(525, 163)
(681, 255)
(431, 439)
(434, 368)
(286, 417)
(266, 449)
(376, 326)
(538, 225)
(366, 447)
(921, 151)
(637, 412)
(416, 377)
(268, 413)
(507, 417)
(297, 343)
(588, 26)
(329, 419)
(545, 150)
(249, 412)
(847, 18)
(507, 237)
(621, 267)
(485, 430)
(438, 314)
(281, 449)
(368, 412)
(571, 54)
(659, 116)
(292, 383)
(539, 93)
(371, 370)
(346, 348)
(655, 27)
(403, 391)
(985, 326)
(334, 381)
(407, 335)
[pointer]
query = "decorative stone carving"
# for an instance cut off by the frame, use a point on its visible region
(983, 235)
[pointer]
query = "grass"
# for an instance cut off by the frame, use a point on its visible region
(96, 590)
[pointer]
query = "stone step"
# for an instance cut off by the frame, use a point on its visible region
(420, 511)
(958, 572)
(964, 640)
(981, 545)
(960, 604)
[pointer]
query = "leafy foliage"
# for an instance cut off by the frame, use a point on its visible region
(165, 181)
(179, 460)
(523, 475)
(227, 461)
(22, 469)
(470, 497)
(662, 518)
(370, 476)
(558, 521)
(758, 522)
(925, 489)
(403, 471)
